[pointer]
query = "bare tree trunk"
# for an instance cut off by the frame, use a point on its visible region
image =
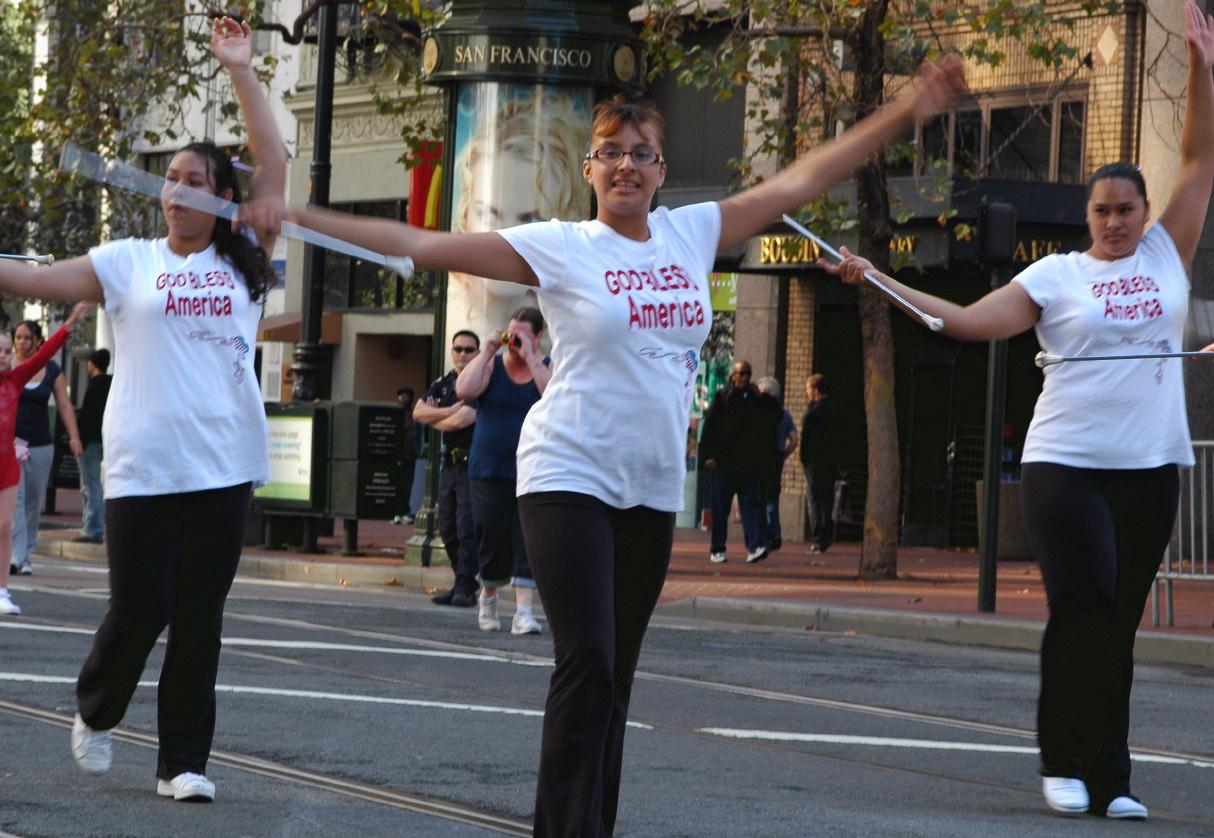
(879, 554)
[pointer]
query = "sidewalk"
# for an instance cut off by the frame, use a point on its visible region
(934, 597)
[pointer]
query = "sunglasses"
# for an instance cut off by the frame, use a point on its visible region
(464, 350)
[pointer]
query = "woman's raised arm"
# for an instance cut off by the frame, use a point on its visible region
(1185, 214)
(232, 44)
(750, 212)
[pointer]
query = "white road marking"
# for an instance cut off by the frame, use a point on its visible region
(923, 744)
(254, 642)
(29, 678)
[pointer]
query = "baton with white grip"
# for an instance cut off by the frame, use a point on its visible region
(44, 259)
(76, 160)
(1045, 359)
(933, 323)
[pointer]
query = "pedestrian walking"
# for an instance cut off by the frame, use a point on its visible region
(601, 457)
(1099, 475)
(820, 461)
(405, 396)
(738, 446)
(34, 426)
(92, 411)
(185, 434)
(786, 443)
(504, 388)
(441, 408)
(12, 382)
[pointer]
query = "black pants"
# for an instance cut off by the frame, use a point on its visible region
(455, 526)
(172, 559)
(503, 555)
(1098, 536)
(820, 503)
(600, 571)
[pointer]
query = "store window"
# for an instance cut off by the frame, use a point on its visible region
(1003, 138)
(354, 284)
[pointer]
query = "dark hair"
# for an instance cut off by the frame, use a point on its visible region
(1119, 171)
(611, 114)
(467, 333)
(100, 358)
(531, 315)
(818, 381)
(249, 259)
(35, 329)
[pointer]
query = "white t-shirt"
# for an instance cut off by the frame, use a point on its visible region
(627, 320)
(184, 412)
(1111, 414)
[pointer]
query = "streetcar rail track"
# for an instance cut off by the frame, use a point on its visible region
(395, 798)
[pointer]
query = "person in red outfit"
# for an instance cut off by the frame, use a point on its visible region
(12, 381)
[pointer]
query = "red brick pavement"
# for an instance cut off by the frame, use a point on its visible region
(929, 581)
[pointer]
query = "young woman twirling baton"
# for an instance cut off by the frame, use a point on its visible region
(184, 432)
(1099, 474)
(601, 456)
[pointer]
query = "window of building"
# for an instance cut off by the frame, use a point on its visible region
(354, 284)
(1003, 138)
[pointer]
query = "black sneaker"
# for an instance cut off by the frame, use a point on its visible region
(444, 598)
(463, 600)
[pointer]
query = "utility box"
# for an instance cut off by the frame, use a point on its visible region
(299, 458)
(367, 469)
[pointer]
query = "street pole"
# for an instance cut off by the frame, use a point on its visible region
(997, 243)
(309, 357)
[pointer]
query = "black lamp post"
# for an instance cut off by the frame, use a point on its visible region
(309, 356)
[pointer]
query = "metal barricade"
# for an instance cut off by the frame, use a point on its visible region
(1188, 555)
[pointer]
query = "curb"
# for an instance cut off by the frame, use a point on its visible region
(995, 632)
(276, 568)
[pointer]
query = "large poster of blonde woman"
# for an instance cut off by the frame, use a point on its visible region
(518, 155)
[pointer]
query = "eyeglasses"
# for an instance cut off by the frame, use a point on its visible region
(464, 350)
(640, 156)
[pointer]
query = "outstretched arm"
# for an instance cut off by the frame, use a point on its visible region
(747, 213)
(25, 371)
(72, 279)
(479, 254)
(232, 44)
(1185, 213)
(1003, 313)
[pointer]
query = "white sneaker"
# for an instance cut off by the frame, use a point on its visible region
(757, 555)
(7, 606)
(1065, 794)
(486, 616)
(1126, 808)
(524, 623)
(192, 788)
(716, 558)
(25, 568)
(93, 749)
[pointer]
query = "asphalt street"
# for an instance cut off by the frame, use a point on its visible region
(367, 712)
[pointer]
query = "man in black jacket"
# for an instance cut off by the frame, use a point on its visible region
(738, 447)
(820, 459)
(92, 527)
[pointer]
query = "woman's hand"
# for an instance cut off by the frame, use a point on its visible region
(851, 270)
(494, 341)
(232, 43)
(78, 313)
(265, 215)
(1199, 35)
(937, 85)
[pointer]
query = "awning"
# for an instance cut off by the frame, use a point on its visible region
(286, 328)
